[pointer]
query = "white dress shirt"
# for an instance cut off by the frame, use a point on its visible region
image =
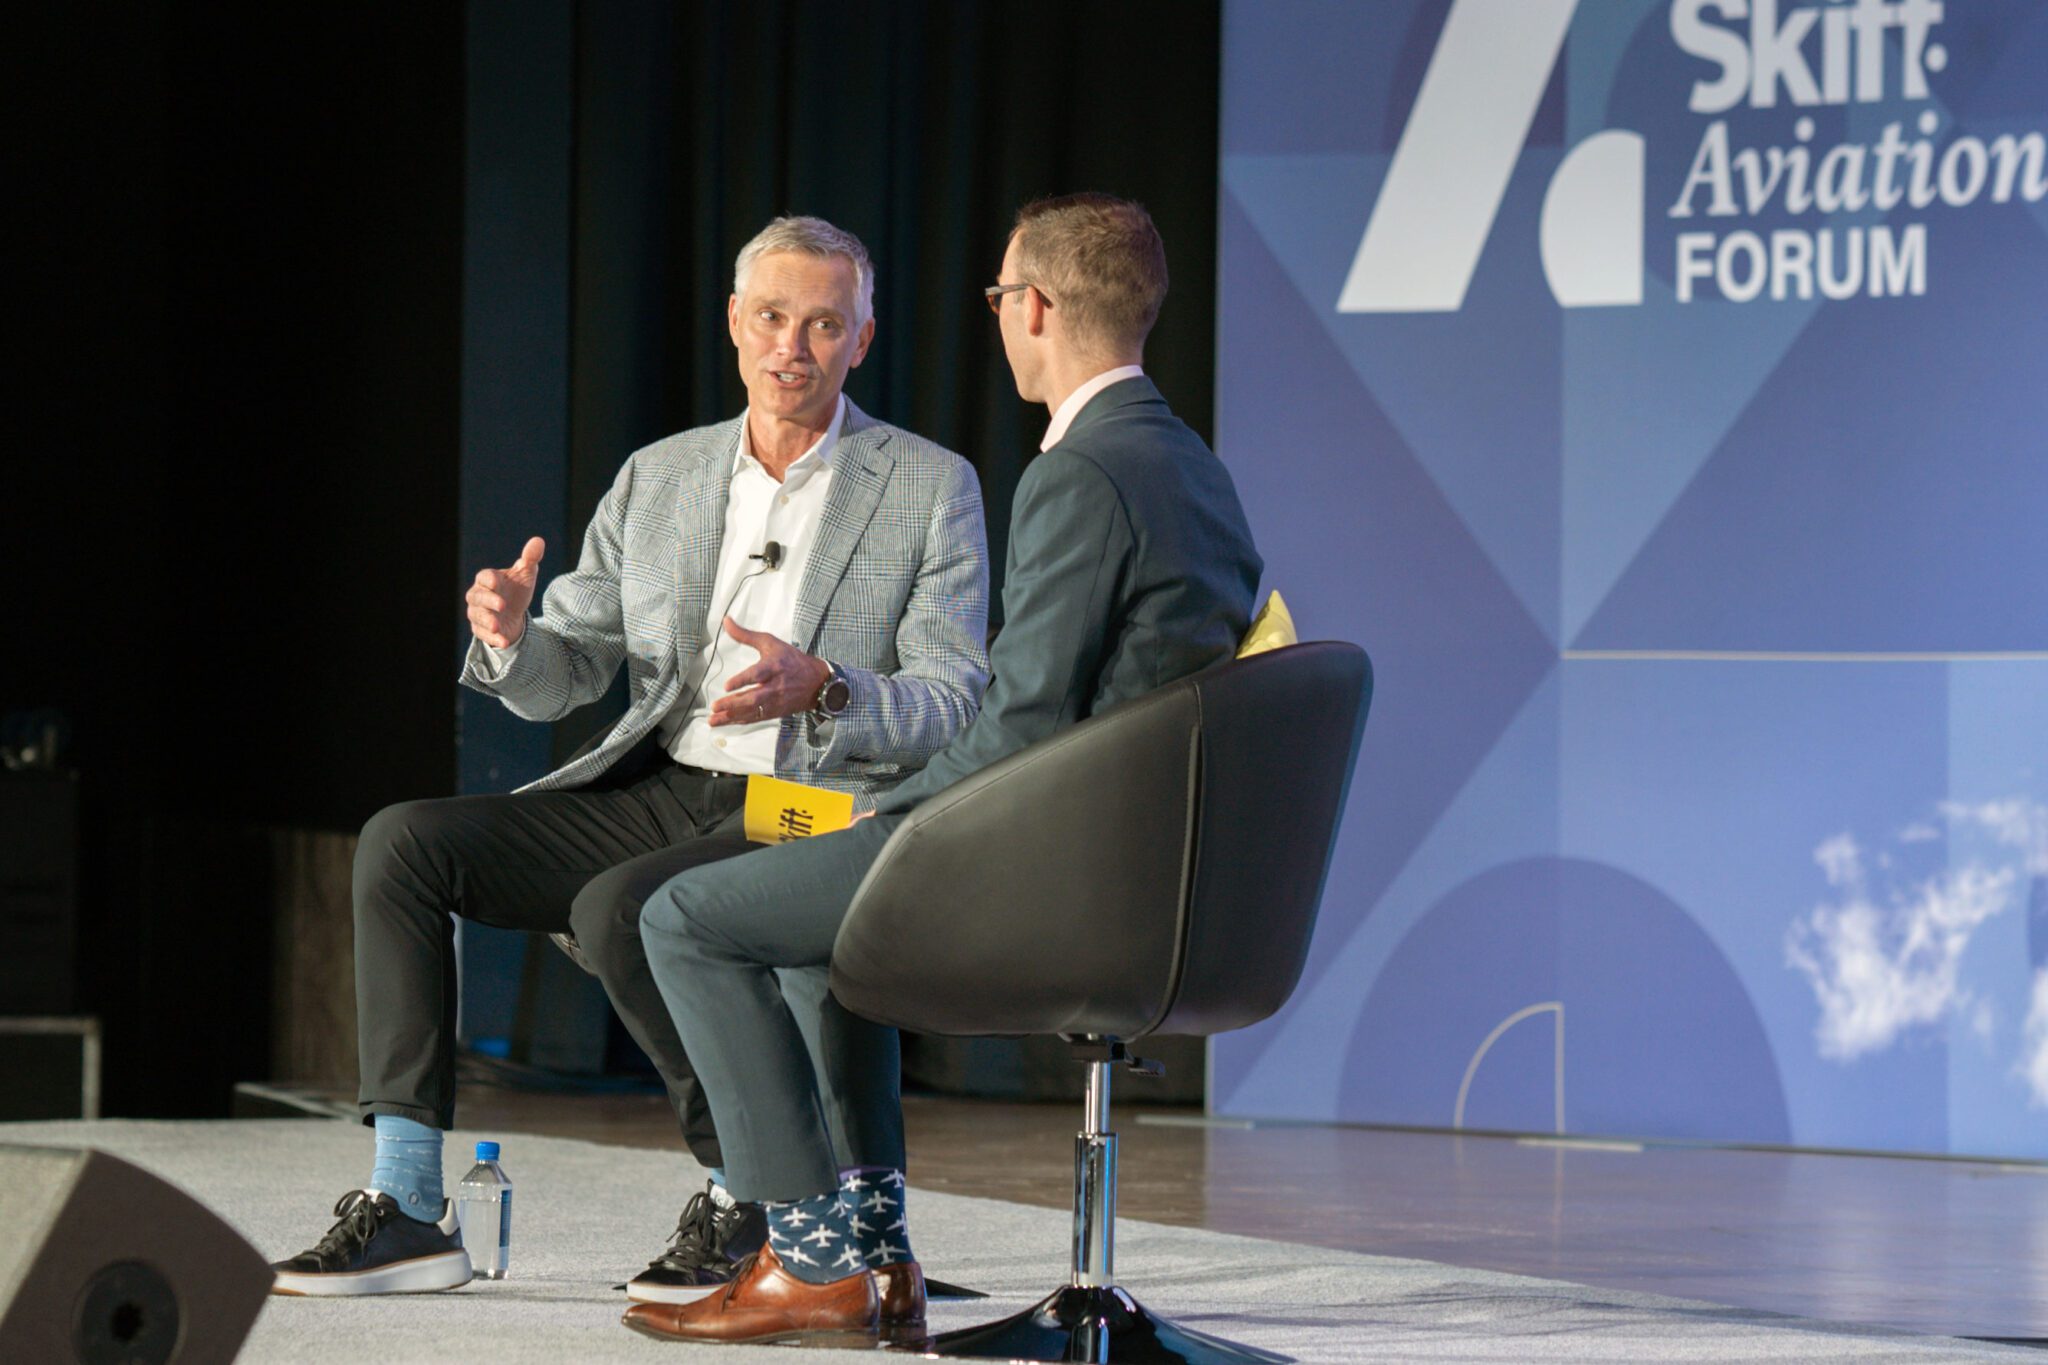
(757, 510)
(1078, 399)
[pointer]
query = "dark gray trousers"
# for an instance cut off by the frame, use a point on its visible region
(718, 937)
(577, 861)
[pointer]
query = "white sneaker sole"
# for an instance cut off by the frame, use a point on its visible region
(668, 1293)
(444, 1270)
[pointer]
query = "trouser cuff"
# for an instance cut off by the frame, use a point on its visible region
(369, 1109)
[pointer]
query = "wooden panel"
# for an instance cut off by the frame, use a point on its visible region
(313, 999)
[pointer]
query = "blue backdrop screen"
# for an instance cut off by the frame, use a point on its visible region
(1657, 389)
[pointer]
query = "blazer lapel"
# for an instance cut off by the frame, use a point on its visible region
(860, 473)
(700, 529)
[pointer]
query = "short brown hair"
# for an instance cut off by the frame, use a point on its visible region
(1099, 259)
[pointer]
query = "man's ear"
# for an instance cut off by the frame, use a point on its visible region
(1035, 309)
(732, 318)
(862, 340)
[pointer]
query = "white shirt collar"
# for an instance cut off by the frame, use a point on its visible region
(819, 456)
(1078, 399)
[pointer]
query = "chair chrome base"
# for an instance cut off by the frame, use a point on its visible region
(1090, 1320)
(1103, 1325)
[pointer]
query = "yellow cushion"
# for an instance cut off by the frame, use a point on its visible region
(1271, 628)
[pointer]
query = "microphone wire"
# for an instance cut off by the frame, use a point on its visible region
(771, 557)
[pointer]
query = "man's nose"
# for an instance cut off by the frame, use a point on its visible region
(794, 341)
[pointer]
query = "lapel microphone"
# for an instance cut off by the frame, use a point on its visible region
(771, 559)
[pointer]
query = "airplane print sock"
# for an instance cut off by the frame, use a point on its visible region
(813, 1238)
(874, 1206)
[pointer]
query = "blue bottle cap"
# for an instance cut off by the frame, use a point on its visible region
(487, 1151)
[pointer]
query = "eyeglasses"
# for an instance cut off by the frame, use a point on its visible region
(994, 294)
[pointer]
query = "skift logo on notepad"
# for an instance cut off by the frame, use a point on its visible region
(778, 811)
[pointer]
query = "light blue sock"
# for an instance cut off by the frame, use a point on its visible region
(718, 1176)
(409, 1166)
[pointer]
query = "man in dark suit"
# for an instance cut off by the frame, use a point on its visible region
(1130, 565)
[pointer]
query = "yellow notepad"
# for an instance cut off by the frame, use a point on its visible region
(1272, 628)
(778, 811)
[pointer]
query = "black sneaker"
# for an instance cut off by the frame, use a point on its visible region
(708, 1239)
(376, 1248)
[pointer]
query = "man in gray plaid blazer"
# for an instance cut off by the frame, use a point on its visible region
(802, 591)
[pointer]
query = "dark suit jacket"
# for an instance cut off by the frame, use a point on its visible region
(1130, 566)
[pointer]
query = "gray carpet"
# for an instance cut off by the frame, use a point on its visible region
(586, 1216)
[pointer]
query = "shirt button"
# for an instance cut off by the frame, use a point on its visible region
(783, 499)
(721, 744)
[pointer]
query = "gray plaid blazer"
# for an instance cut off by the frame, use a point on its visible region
(895, 593)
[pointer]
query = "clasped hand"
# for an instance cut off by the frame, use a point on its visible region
(784, 681)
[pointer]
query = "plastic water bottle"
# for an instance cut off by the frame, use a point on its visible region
(483, 1206)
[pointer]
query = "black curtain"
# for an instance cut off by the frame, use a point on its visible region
(231, 495)
(233, 506)
(919, 125)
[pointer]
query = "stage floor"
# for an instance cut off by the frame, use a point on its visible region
(1949, 1247)
(589, 1213)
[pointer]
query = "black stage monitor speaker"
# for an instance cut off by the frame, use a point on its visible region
(104, 1264)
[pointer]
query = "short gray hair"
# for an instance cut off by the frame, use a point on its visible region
(811, 237)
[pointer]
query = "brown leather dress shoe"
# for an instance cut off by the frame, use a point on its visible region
(901, 1287)
(766, 1303)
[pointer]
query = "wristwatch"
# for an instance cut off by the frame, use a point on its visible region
(833, 696)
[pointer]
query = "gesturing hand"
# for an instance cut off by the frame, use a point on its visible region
(499, 598)
(783, 682)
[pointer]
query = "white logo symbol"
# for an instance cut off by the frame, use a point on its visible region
(1479, 98)
(1437, 207)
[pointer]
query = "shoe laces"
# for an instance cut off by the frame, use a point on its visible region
(699, 1238)
(357, 1223)
(740, 1270)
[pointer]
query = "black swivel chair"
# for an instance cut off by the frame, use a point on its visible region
(1154, 869)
